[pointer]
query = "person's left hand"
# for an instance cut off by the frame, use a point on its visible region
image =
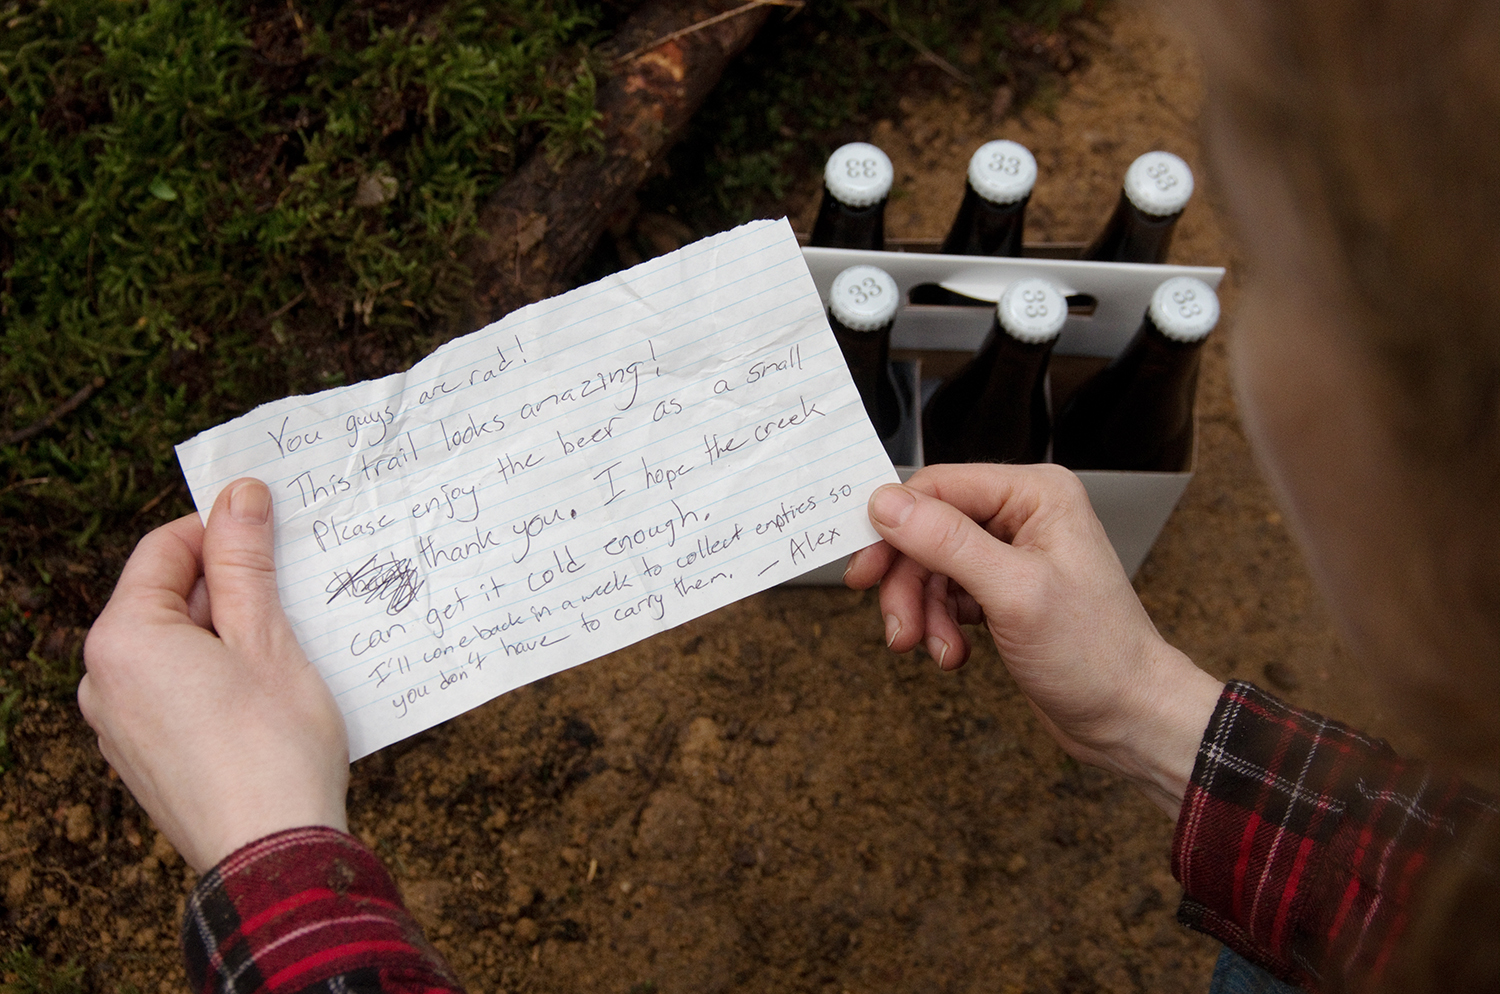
(204, 702)
(1019, 549)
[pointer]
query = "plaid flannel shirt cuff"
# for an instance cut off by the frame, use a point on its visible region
(1305, 845)
(302, 908)
(1254, 829)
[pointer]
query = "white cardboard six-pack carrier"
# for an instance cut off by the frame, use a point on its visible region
(1107, 304)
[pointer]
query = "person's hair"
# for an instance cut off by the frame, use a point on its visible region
(1383, 120)
(1452, 940)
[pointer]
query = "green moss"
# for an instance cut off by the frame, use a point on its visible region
(24, 972)
(200, 204)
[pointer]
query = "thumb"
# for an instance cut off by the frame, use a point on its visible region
(942, 539)
(239, 567)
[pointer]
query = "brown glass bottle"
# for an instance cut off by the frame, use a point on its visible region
(856, 184)
(995, 408)
(861, 310)
(1156, 189)
(991, 219)
(1137, 413)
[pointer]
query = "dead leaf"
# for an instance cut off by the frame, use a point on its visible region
(375, 189)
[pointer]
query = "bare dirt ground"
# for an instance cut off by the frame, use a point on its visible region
(766, 799)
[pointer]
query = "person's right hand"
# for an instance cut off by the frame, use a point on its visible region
(204, 702)
(1019, 549)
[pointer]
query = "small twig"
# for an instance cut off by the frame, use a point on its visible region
(926, 53)
(62, 410)
(89, 267)
(699, 26)
(146, 507)
(518, 247)
(35, 481)
(278, 312)
(661, 768)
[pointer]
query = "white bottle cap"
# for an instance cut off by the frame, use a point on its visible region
(859, 174)
(1184, 309)
(1032, 310)
(863, 298)
(1159, 183)
(1002, 172)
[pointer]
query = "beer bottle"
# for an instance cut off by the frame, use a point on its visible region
(856, 182)
(995, 408)
(993, 212)
(1157, 188)
(1137, 413)
(992, 216)
(862, 309)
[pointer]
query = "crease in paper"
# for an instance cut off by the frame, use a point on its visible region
(587, 472)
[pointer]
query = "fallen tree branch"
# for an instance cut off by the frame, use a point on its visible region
(543, 223)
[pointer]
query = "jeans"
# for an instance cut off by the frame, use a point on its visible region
(1233, 974)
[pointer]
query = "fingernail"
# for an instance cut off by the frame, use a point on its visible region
(891, 504)
(250, 502)
(937, 649)
(892, 629)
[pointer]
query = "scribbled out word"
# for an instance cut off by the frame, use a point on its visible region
(395, 582)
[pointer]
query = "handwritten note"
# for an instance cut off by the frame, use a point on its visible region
(585, 473)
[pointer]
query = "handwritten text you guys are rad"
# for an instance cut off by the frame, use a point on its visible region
(376, 429)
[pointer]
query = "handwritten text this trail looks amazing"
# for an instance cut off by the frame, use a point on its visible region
(585, 473)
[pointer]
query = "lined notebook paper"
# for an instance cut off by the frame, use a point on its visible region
(583, 474)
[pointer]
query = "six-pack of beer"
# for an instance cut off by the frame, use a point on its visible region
(994, 350)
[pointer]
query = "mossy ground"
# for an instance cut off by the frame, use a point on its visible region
(205, 205)
(24, 972)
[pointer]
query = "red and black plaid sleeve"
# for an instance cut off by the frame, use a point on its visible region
(1303, 844)
(306, 910)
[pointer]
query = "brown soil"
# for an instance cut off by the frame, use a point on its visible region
(766, 799)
